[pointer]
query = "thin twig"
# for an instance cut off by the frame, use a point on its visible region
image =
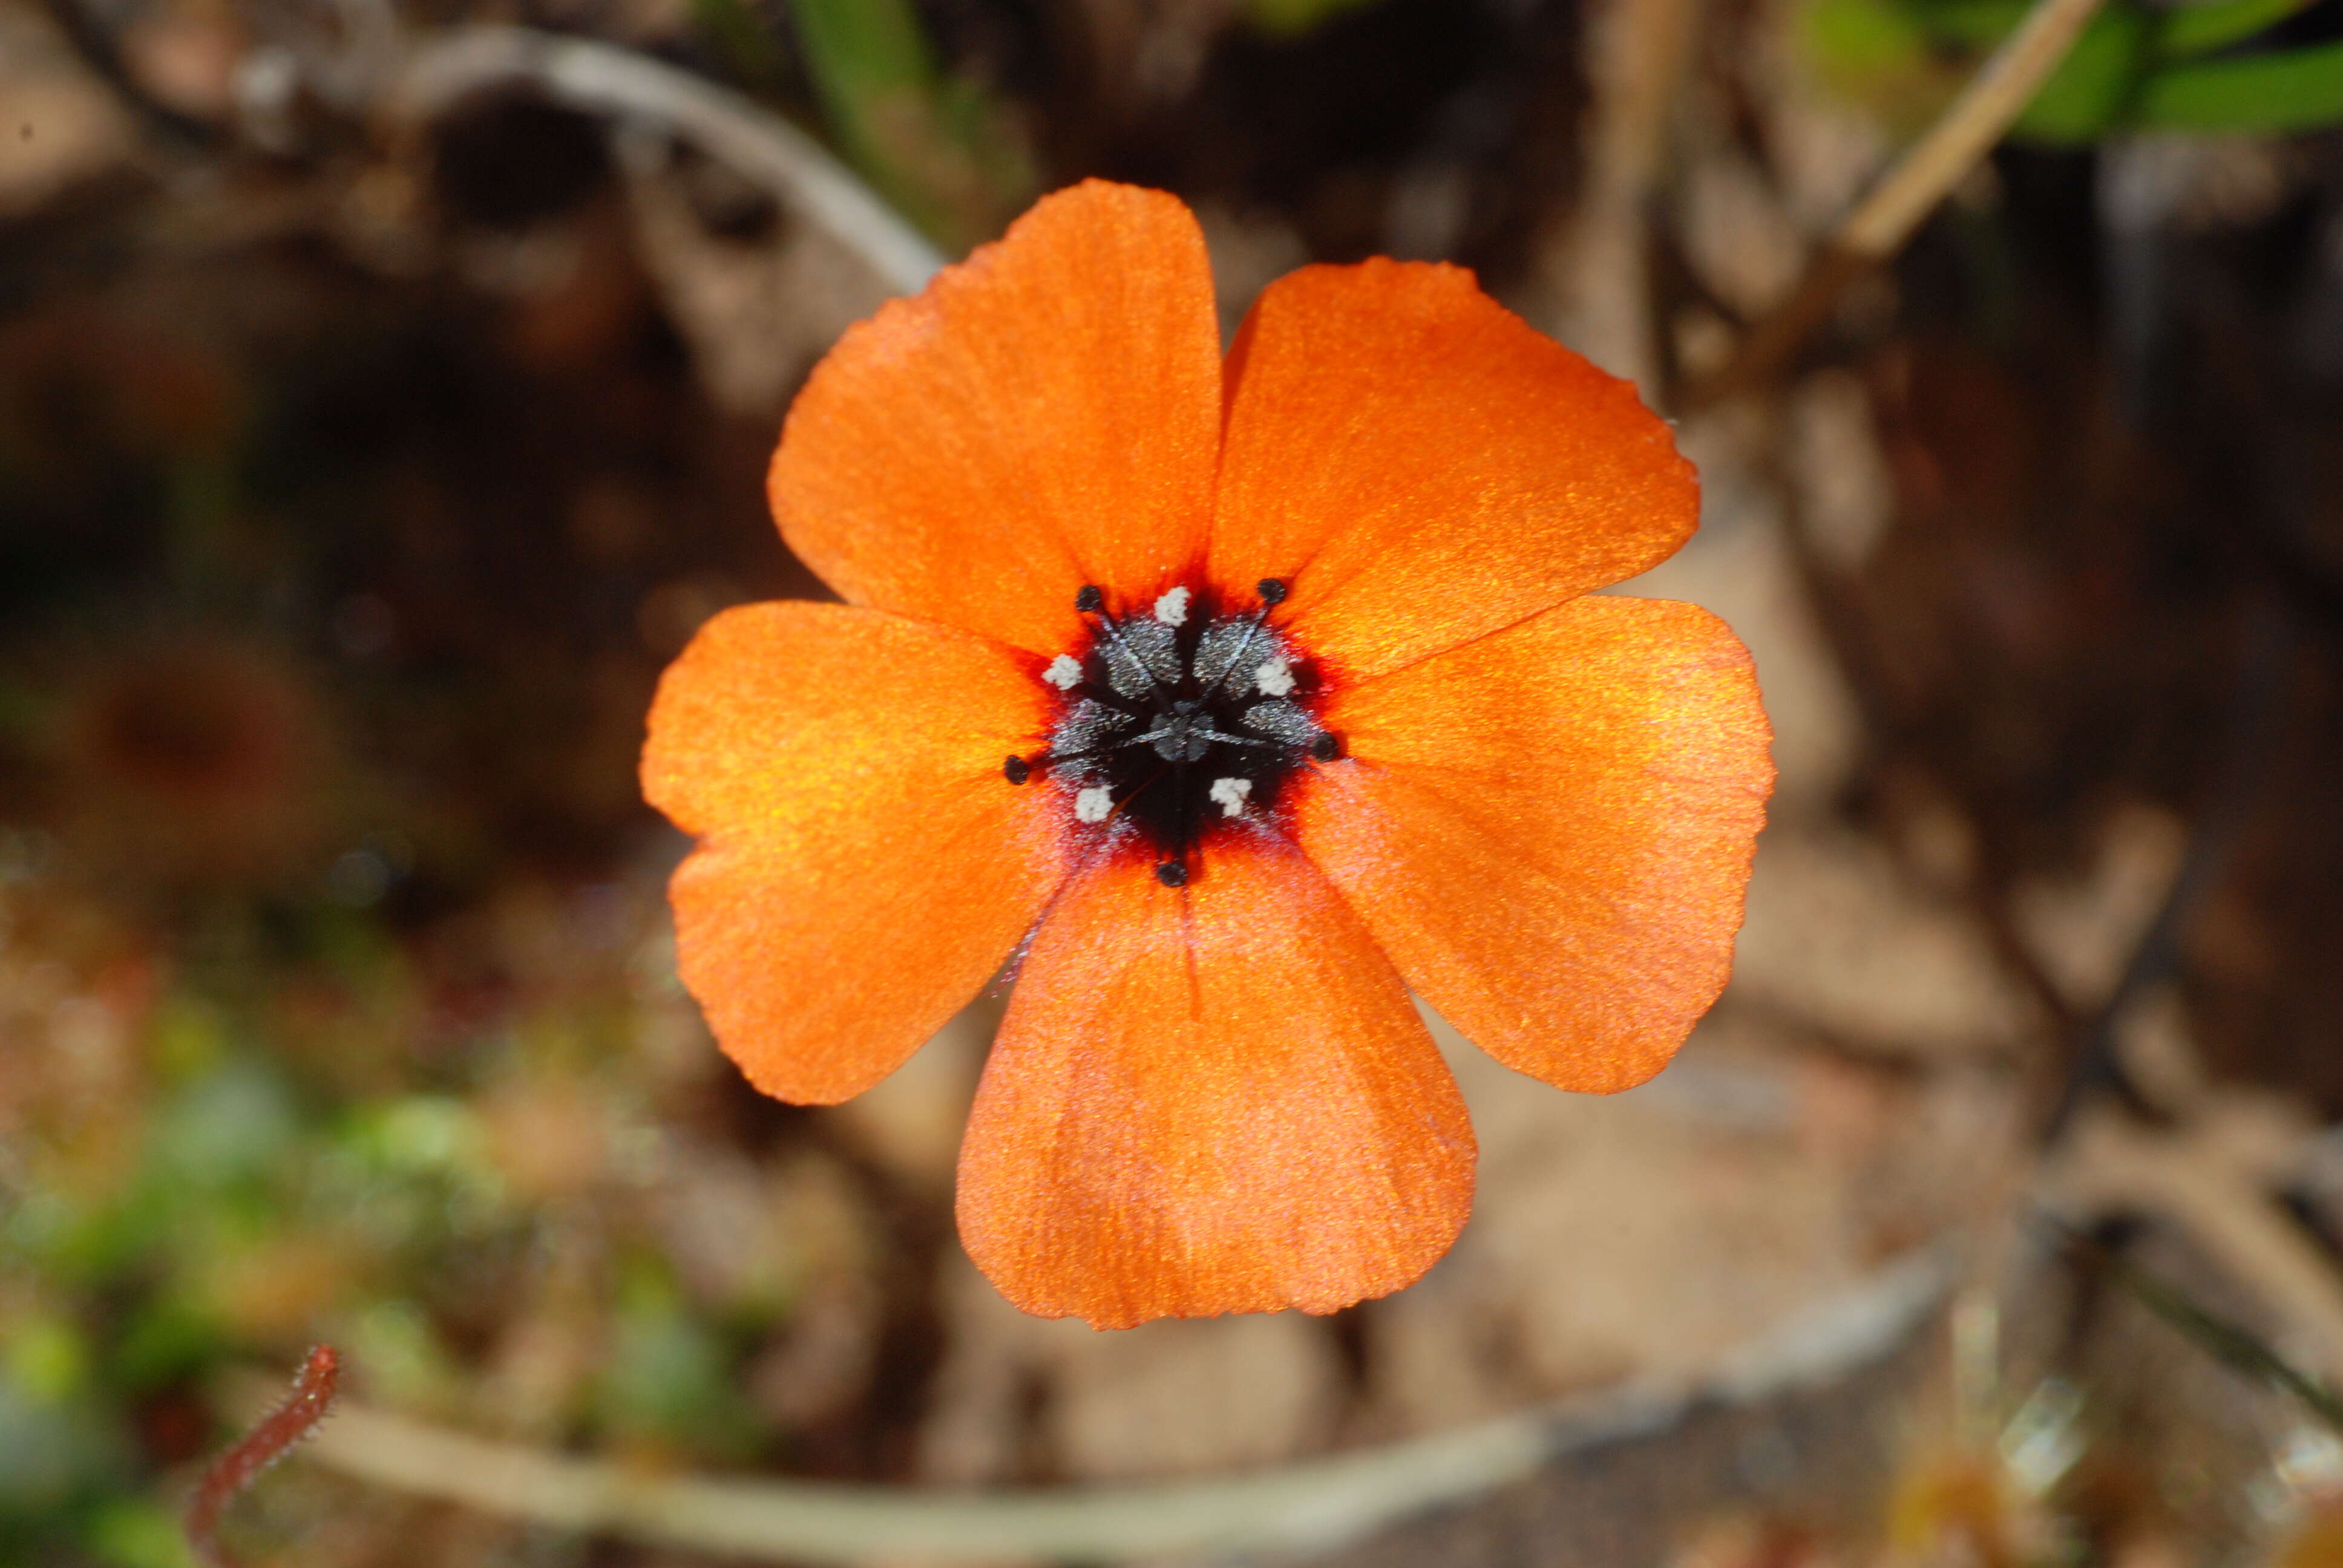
(1310, 1507)
(603, 79)
(1880, 224)
(2232, 1344)
(269, 1441)
(2193, 1180)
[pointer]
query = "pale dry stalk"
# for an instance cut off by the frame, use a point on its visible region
(1637, 55)
(1929, 170)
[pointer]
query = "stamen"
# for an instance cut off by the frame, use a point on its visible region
(1327, 747)
(1281, 720)
(1229, 795)
(1093, 804)
(1017, 771)
(1065, 672)
(1220, 653)
(1275, 677)
(1142, 656)
(1171, 609)
(1225, 644)
(1171, 874)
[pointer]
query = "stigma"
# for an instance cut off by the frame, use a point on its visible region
(1180, 721)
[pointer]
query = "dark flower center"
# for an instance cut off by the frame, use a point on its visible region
(1180, 719)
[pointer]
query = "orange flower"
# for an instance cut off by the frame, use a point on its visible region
(1229, 701)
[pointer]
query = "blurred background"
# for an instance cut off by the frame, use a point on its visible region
(386, 388)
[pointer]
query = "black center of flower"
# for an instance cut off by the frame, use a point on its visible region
(1180, 718)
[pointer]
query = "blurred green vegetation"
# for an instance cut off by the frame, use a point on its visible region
(1289, 19)
(942, 149)
(213, 1168)
(2226, 65)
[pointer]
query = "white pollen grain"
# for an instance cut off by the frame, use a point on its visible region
(1065, 672)
(1276, 677)
(1171, 609)
(1092, 805)
(1229, 795)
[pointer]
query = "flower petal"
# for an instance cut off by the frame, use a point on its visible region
(1043, 415)
(1423, 467)
(1210, 1100)
(1550, 830)
(863, 868)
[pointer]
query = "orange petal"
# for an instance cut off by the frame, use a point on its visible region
(1550, 830)
(1043, 415)
(1210, 1100)
(863, 867)
(1423, 468)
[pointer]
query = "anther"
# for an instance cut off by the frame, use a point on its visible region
(1326, 746)
(1272, 590)
(1089, 600)
(1017, 771)
(1171, 874)
(1139, 661)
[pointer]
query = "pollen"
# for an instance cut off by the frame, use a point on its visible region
(1065, 672)
(1229, 795)
(1092, 805)
(1275, 677)
(1171, 609)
